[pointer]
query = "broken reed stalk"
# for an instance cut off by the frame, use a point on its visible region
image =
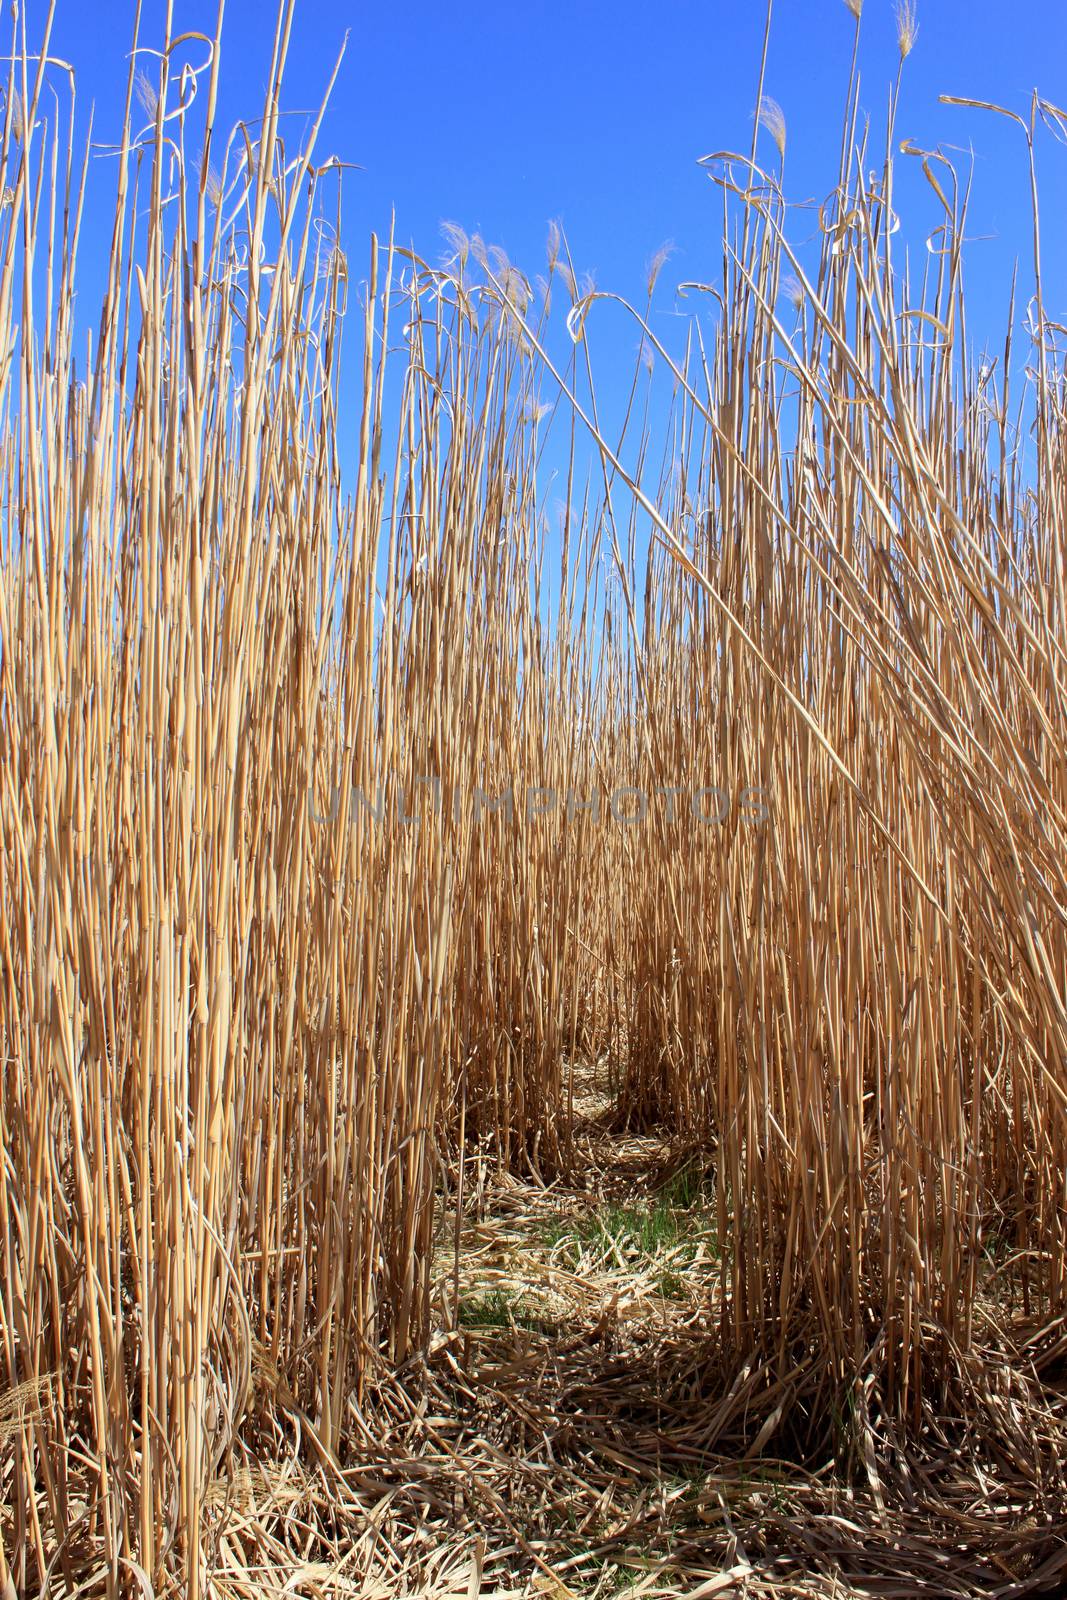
(244, 1019)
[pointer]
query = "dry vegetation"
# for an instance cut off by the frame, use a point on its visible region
(298, 1286)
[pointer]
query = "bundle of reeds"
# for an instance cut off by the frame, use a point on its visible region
(304, 891)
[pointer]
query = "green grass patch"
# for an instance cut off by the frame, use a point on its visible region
(499, 1308)
(691, 1187)
(672, 1223)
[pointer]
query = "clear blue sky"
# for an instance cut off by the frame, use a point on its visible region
(500, 117)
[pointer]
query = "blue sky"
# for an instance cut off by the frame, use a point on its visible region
(502, 117)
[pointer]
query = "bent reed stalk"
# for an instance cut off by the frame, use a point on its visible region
(249, 1033)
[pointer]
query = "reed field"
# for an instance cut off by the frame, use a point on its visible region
(531, 1064)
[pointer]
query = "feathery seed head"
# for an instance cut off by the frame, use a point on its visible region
(907, 27)
(454, 235)
(516, 288)
(772, 117)
(655, 266)
(213, 185)
(146, 93)
(333, 261)
(569, 281)
(499, 264)
(794, 292)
